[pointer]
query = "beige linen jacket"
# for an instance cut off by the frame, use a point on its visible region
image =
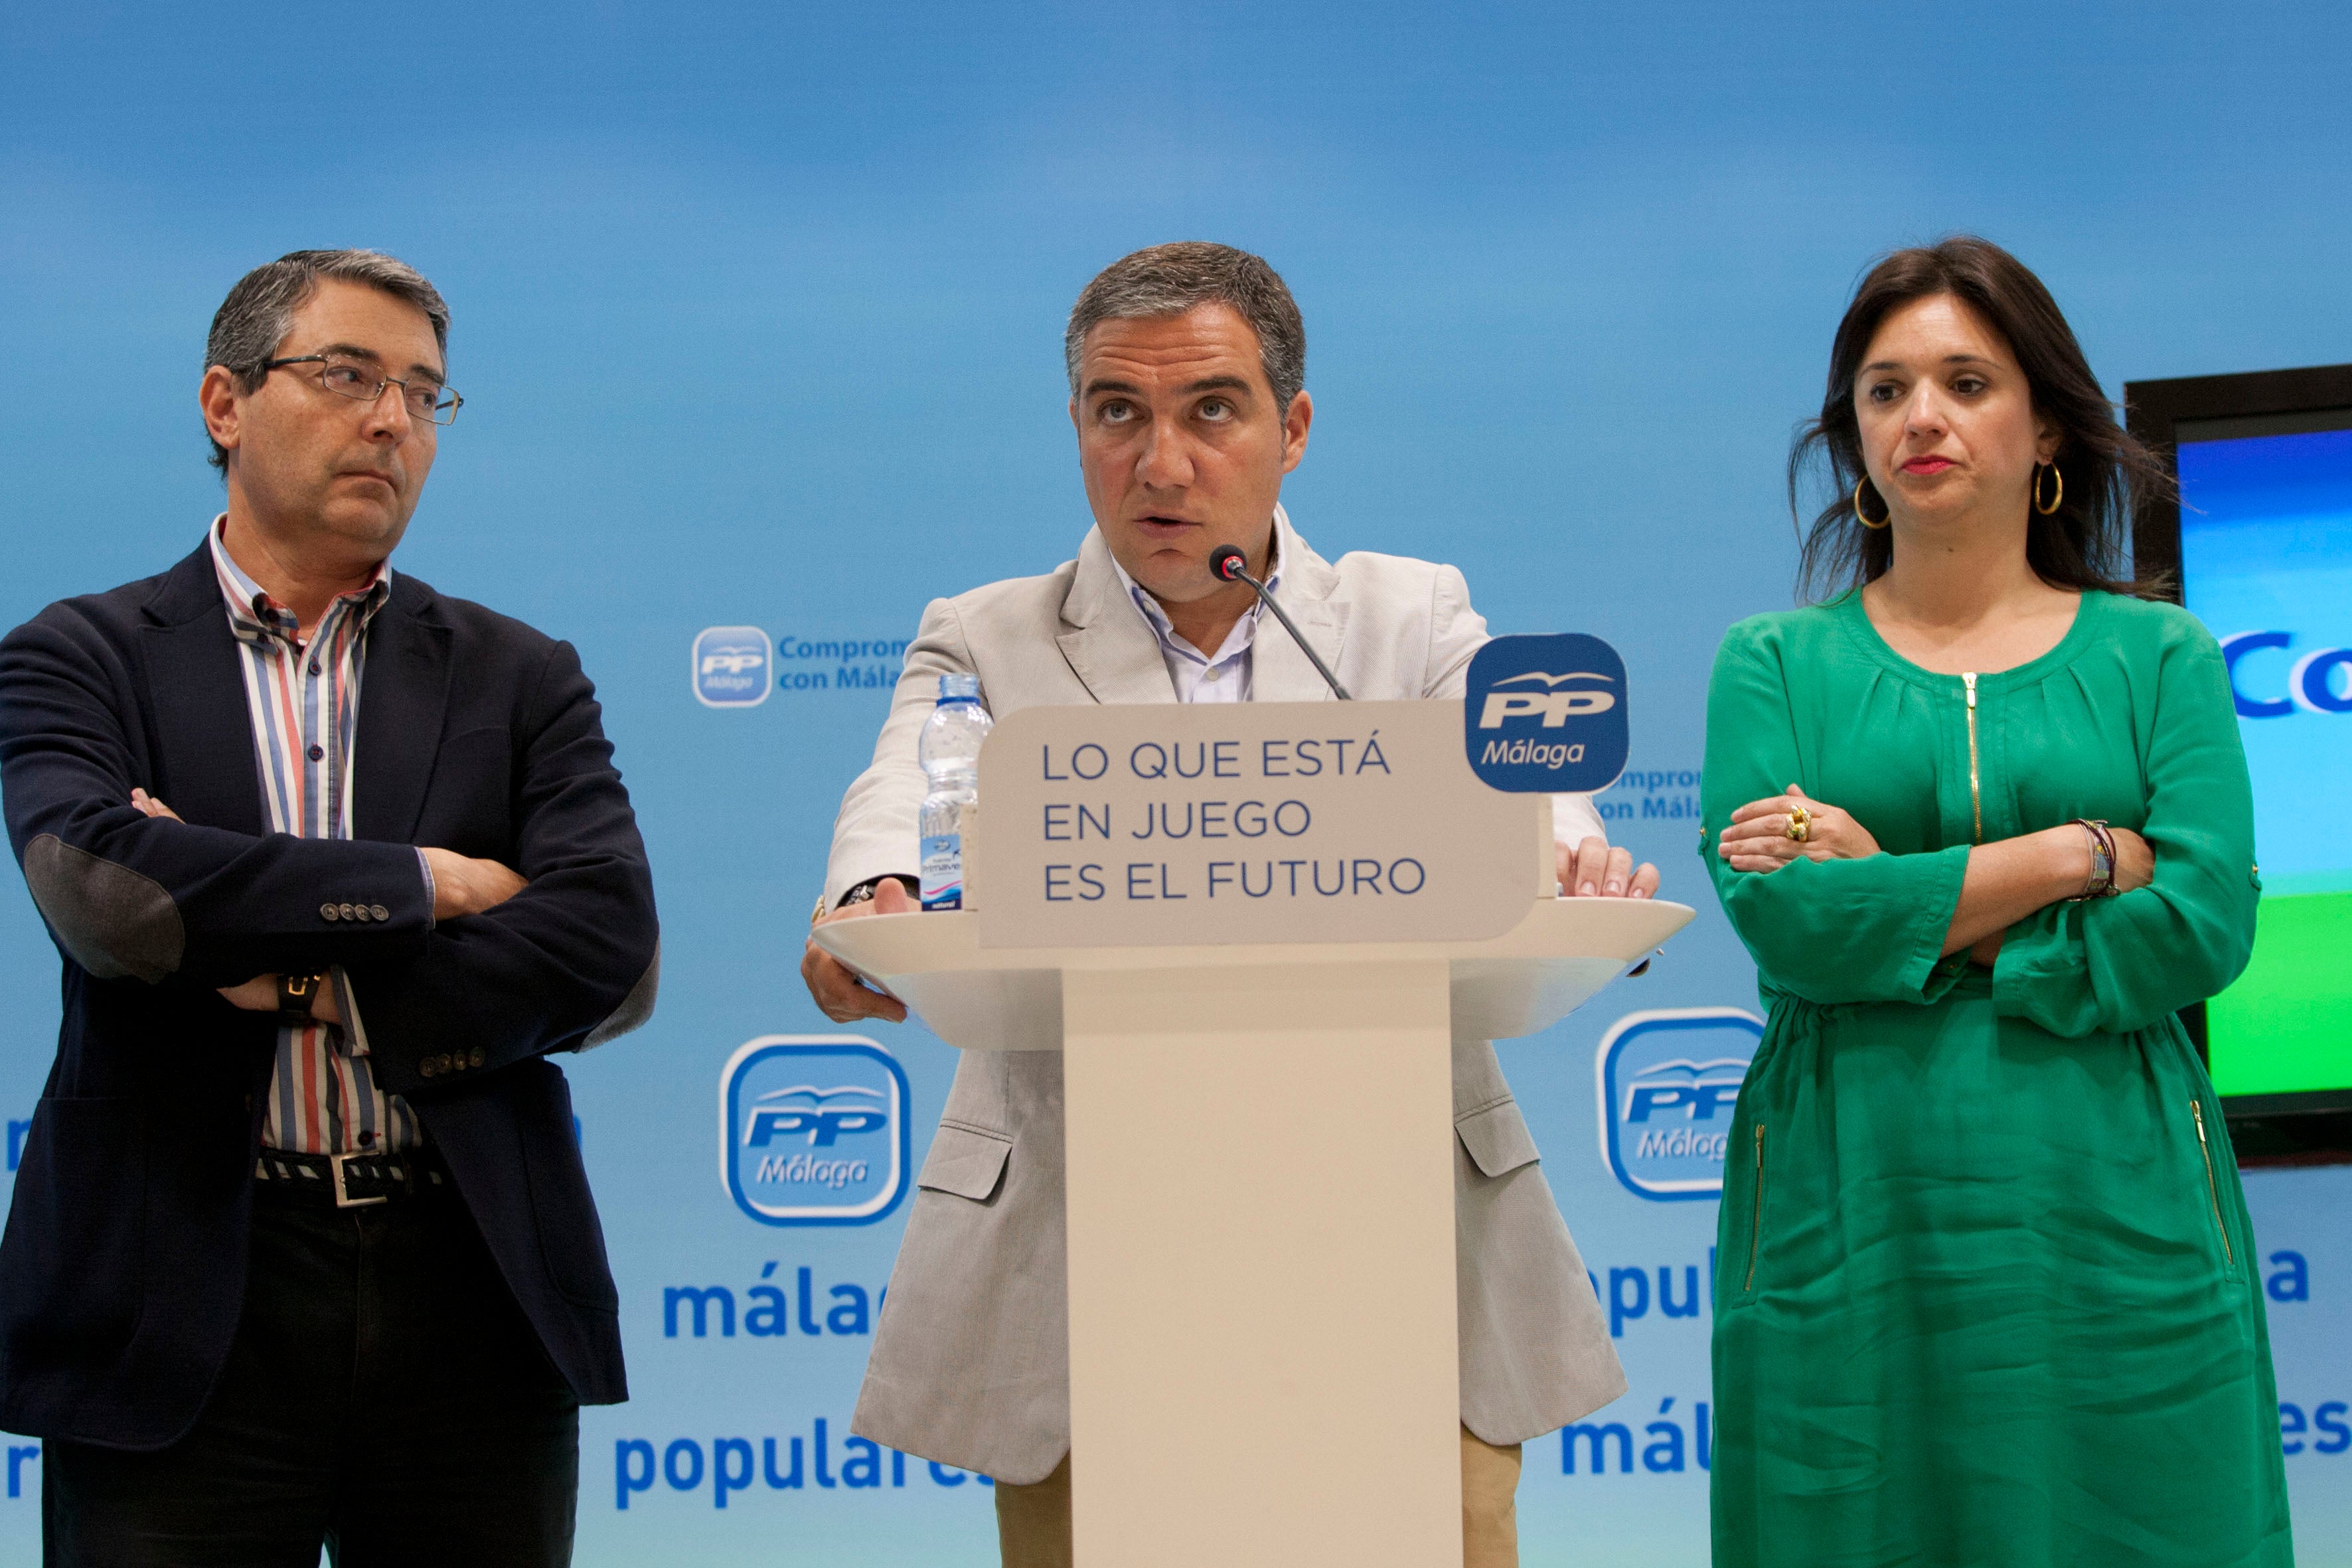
(971, 1359)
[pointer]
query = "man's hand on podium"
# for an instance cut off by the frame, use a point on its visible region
(1593, 870)
(840, 995)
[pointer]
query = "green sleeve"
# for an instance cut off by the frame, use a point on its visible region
(2123, 964)
(1828, 930)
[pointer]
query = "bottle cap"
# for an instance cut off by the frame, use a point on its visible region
(958, 689)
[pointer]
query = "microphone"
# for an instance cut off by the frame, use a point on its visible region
(1227, 564)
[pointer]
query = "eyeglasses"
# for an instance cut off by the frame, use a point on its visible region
(362, 383)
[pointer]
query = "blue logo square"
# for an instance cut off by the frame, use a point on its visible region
(813, 1129)
(1547, 713)
(1668, 1083)
(734, 667)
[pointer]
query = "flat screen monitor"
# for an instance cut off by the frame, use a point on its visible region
(2262, 553)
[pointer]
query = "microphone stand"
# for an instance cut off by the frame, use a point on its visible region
(1229, 564)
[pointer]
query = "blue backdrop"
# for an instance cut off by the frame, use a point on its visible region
(758, 319)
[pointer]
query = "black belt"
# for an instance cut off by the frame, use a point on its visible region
(351, 1181)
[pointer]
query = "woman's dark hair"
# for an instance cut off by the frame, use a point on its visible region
(2106, 473)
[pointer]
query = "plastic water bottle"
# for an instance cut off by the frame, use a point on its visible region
(949, 752)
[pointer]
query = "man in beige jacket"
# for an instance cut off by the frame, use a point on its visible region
(1187, 364)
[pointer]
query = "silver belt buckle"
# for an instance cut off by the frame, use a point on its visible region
(343, 1199)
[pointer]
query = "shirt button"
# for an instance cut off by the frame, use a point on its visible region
(366, 1138)
(1211, 675)
(314, 666)
(330, 912)
(317, 753)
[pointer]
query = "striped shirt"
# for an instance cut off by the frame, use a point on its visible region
(304, 699)
(1223, 676)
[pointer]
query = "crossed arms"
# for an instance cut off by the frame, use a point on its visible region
(556, 952)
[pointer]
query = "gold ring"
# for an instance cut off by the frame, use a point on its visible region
(1801, 823)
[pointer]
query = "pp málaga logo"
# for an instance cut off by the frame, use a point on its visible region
(813, 1129)
(1668, 1082)
(734, 667)
(1546, 713)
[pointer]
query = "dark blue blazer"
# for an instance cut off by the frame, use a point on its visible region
(122, 1269)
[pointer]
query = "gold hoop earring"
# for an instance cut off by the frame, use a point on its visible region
(1858, 515)
(2057, 489)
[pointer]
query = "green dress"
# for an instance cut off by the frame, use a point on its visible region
(1986, 1292)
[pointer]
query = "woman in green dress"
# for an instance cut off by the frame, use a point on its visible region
(1986, 1292)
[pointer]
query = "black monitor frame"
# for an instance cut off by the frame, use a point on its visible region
(2315, 1127)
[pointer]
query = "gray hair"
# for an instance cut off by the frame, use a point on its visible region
(1169, 280)
(259, 311)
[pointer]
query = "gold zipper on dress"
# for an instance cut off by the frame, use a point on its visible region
(1976, 792)
(1756, 1228)
(2212, 1189)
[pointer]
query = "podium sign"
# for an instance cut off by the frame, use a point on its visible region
(1257, 929)
(1168, 825)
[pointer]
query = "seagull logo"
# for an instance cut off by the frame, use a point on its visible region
(1703, 1092)
(734, 667)
(822, 1120)
(813, 1129)
(1669, 1083)
(1546, 713)
(1553, 706)
(1554, 680)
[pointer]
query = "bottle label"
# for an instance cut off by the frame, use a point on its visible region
(942, 866)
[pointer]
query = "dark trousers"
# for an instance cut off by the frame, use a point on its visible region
(384, 1397)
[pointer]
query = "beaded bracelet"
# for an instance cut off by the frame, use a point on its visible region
(2101, 882)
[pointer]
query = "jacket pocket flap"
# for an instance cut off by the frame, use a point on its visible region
(1497, 1138)
(966, 1162)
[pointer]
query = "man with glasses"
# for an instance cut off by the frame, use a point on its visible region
(301, 1249)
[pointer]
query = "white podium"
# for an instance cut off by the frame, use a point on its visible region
(1254, 931)
(1263, 1361)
